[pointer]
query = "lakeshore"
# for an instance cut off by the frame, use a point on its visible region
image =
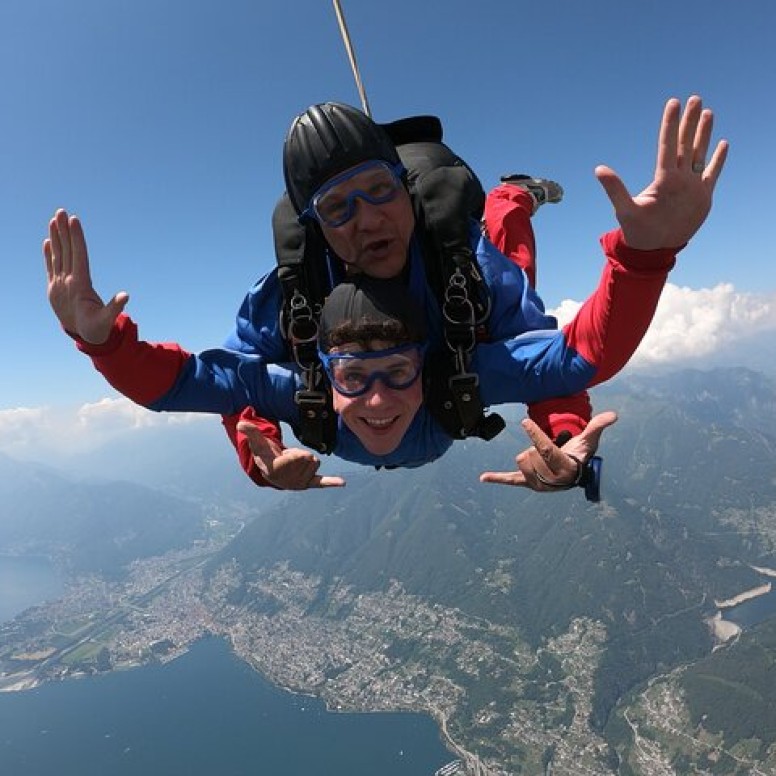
(725, 630)
(26, 581)
(747, 595)
(165, 609)
(203, 713)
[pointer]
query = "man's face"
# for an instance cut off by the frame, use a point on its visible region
(381, 416)
(376, 238)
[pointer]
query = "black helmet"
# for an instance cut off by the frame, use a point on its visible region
(326, 140)
(363, 308)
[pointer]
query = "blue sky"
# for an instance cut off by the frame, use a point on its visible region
(160, 122)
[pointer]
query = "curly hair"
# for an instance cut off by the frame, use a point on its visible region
(364, 332)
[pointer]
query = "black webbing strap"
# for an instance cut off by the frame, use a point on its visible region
(299, 251)
(446, 196)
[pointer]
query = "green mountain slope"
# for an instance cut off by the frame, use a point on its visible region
(689, 506)
(90, 525)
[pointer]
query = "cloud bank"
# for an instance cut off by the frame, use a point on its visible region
(42, 432)
(692, 323)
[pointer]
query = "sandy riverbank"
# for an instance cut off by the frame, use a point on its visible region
(747, 595)
(722, 630)
(19, 682)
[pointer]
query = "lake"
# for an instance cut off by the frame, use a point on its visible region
(753, 611)
(25, 582)
(205, 714)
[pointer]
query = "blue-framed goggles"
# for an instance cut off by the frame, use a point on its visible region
(375, 181)
(353, 374)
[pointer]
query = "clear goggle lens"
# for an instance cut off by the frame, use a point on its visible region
(376, 182)
(353, 374)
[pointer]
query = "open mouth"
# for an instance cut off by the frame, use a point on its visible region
(378, 246)
(380, 424)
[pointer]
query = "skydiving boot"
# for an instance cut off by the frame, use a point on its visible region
(543, 191)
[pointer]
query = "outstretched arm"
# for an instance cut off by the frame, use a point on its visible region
(159, 376)
(655, 225)
(665, 215)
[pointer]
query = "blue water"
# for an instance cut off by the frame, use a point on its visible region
(754, 611)
(205, 714)
(25, 582)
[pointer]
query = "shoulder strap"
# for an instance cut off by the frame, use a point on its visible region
(300, 254)
(445, 199)
(447, 195)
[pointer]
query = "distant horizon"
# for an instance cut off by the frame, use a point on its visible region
(62, 436)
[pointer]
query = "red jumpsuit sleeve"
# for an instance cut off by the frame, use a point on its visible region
(612, 322)
(567, 413)
(145, 371)
(269, 429)
(609, 326)
(142, 371)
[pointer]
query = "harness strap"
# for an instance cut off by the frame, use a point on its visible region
(299, 252)
(317, 427)
(445, 196)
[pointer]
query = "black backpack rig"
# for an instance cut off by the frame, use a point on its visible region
(446, 195)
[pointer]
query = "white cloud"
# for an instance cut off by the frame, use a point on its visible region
(692, 323)
(41, 432)
(116, 415)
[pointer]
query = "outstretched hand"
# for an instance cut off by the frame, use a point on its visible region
(673, 207)
(70, 291)
(545, 462)
(290, 468)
